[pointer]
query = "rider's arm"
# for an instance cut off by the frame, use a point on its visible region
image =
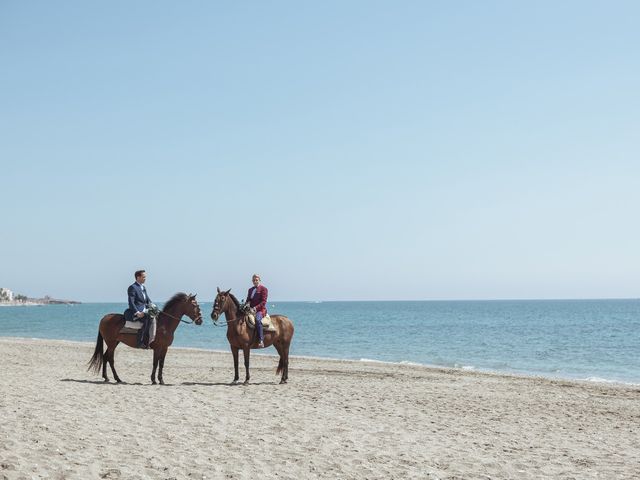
(263, 299)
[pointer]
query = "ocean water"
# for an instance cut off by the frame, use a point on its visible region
(595, 340)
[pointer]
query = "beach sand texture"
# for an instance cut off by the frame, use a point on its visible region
(335, 419)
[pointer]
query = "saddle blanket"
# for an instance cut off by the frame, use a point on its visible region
(266, 323)
(133, 327)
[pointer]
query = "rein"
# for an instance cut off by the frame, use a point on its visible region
(175, 318)
(216, 324)
(227, 322)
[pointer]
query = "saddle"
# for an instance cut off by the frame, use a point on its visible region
(131, 327)
(135, 326)
(267, 326)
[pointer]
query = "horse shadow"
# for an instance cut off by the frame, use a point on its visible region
(102, 382)
(75, 380)
(188, 384)
(226, 384)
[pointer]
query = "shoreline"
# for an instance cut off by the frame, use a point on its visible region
(404, 363)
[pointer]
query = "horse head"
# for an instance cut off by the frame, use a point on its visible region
(192, 309)
(220, 304)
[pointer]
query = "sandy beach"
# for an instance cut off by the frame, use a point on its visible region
(335, 419)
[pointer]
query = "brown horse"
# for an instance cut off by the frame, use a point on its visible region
(240, 336)
(167, 322)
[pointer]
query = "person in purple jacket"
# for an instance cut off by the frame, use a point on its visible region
(257, 298)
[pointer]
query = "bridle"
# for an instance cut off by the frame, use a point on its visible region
(227, 322)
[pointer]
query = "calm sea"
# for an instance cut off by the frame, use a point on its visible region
(579, 339)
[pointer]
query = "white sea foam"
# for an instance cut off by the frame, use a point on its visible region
(598, 379)
(402, 362)
(415, 364)
(371, 360)
(606, 380)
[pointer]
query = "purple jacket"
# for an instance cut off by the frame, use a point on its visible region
(259, 300)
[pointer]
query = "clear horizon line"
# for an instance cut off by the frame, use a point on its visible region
(420, 300)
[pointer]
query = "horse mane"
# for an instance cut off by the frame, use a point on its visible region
(177, 298)
(235, 300)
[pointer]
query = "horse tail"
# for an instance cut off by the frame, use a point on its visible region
(95, 364)
(280, 366)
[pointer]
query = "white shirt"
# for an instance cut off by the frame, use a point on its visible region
(144, 294)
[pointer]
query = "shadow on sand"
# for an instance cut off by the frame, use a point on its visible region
(110, 382)
(203, 384)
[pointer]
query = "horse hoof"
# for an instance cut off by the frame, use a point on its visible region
(161, 382)
(246, 382)
(153, 382)
(282, 381)
(106, 380)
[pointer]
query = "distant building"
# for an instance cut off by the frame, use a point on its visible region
(6, 295)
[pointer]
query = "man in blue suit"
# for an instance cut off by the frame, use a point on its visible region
(139, 302)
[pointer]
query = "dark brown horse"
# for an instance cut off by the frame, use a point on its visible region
(240, 336)
(167, 322)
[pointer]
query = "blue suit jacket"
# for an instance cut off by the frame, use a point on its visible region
(137, 302)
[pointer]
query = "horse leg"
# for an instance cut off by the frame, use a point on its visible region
(285, 374)
(156, 358)
(280, 368)
(246, 350)
(111, 350)
(163, 354)
(105, 360)
(234, 351)
(283, 364)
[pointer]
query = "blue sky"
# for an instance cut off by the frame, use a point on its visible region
(344, 150)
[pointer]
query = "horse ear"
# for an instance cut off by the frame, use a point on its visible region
(227, 292)
(218, 289)
(194, 296)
